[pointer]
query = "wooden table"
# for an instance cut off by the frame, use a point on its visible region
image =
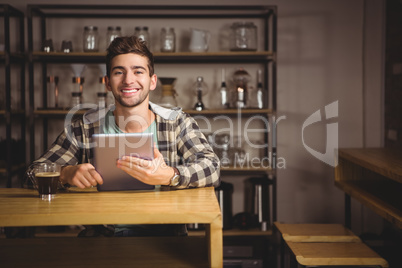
(22, 207)
(374, 177)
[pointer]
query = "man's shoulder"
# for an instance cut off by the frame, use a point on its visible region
(84, 118)
(170, 114)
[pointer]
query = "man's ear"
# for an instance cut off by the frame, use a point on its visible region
(154, 82)
(107, 83)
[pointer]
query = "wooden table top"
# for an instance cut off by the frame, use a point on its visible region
(23, 207)
(306, 232)
(384, 161)
(335, 254)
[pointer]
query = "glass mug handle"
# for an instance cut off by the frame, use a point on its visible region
(30, 176)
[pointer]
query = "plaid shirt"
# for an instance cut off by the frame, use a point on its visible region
(180, 141)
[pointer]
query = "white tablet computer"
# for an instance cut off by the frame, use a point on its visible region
(110, 147)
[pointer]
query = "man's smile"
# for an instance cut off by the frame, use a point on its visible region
(130, 90)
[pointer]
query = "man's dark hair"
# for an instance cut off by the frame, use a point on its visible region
(125, 45)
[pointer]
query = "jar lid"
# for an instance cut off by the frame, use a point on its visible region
(111, 28)
(102, 94)
(243, 24)
(95, 28)
(76, 94)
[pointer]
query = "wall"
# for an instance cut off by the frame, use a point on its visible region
(393, 76)
(328, 51)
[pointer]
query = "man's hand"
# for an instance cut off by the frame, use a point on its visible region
(82, 176)
(154, 172)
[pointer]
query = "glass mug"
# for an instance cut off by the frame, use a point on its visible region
(45, 179)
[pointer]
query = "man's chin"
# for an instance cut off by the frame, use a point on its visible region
(132, 104)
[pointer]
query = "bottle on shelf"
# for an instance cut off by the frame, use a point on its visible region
(225, 98)
(260, 91)
(200, 89)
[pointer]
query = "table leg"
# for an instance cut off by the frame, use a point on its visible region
(215, 243)
(348, 212)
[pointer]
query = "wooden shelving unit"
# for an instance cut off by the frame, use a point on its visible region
(374, 177)
(13, 61)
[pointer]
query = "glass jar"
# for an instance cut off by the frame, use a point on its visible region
(91, 39)
(168, 40)
(102, 99)
(112, 33)
(142, 33)
(243, 37)
(75, 98)
(168, 99)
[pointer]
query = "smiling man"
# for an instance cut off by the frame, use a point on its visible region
(182, 156)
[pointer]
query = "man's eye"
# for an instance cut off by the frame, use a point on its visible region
(118, 72)
(138, 72)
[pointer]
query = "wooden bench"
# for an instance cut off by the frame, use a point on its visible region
(306, 232)
(334, 254)
(315, 233)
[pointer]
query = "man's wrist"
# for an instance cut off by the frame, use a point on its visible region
(63, 175)
(175, 178)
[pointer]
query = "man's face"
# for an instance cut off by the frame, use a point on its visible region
(129, 80)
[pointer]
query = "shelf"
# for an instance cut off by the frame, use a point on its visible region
(159, 57)
(247, 168)
(52, 112)
(13, 112)
(152, 11)
(229, 111)
(56, 112)
(18, 56)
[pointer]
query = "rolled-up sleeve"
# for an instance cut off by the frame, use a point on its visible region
(200, 166)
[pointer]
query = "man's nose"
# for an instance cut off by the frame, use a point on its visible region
(129, 78)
